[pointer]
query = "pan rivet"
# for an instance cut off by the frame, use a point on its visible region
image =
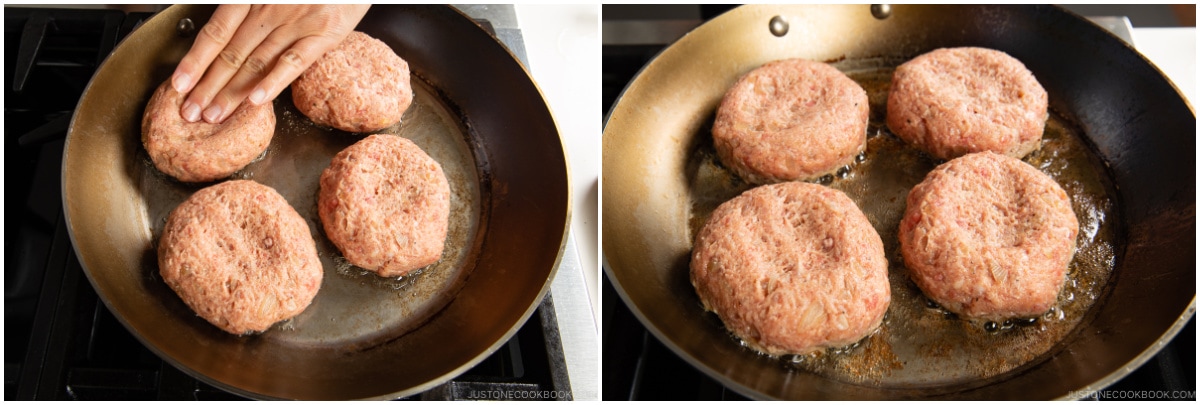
(779, 26)
(881, 11)
(185, 27)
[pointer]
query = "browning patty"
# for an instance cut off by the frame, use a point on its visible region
(199, 151)
(360, 86)
(386, 205)
(989, 237)
(790, 120)
(240, 256)
(954, 101)
(792, 268)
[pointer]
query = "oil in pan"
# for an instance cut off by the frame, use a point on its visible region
(919, 344)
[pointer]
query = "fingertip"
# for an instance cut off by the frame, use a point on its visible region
(258, 96)
(182, 82)
(191, 112)
(213, 114)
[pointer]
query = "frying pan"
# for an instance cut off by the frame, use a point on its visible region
(1136, 125)
(476, 111)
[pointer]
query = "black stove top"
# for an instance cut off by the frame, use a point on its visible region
(61, 341)
(637, 366)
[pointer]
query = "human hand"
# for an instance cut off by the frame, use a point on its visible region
(253, 52)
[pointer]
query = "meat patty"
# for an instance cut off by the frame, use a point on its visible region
(386, 205)
(955, 101)
(790, 120)
(199, 151)
(360, 86)
(240, 256)
(989, 237)
(792, 268)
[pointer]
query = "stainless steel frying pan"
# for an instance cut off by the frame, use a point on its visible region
(476, 111)
(660, 178)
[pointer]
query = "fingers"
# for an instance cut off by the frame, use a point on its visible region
(290, 65)
(243, 80)
(245, 53)
(211, 40)
(269, 70)
(254, 52)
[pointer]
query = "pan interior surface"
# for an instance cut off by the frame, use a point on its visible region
(662, 179)
(363, 336)
(355, 307)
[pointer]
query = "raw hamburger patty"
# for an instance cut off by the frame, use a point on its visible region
(792, 268)
(955, 101)
(989, 237)
(360, 86)
(386, 205)
(199, 151)
(240, 256)
(790, 120)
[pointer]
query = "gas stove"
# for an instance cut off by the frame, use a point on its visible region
(61, 341)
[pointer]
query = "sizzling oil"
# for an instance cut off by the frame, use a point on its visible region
(920, 344)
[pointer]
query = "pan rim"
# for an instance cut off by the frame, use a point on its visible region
(1148, 353)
